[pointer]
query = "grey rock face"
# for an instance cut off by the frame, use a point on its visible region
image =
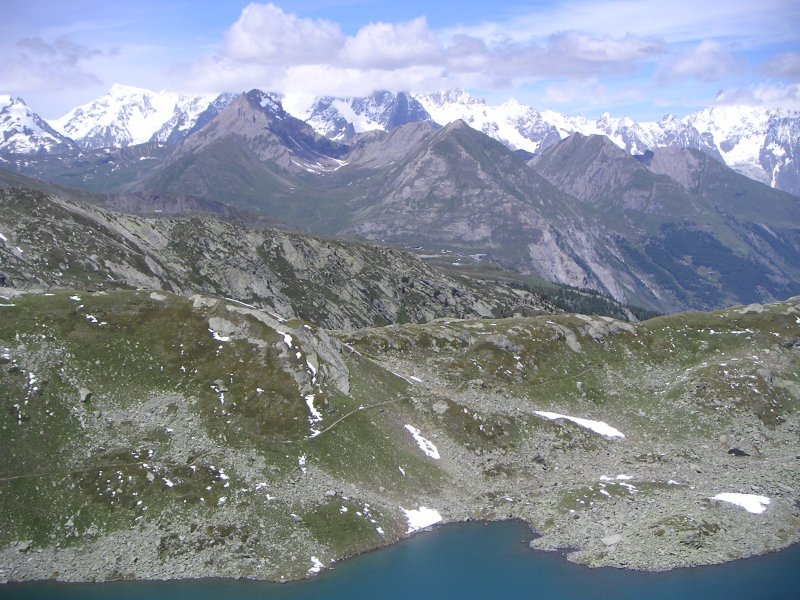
(679, 203)
(340, 285)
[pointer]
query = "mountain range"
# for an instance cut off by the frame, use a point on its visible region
(669, 229)
(760, 143)
(757, 142)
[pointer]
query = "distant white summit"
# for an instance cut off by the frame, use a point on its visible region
(22, 131)
(128, 115)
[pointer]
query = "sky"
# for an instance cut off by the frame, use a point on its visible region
(637, 58)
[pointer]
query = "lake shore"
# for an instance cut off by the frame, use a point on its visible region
(462, 561)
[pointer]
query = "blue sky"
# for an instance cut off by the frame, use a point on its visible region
(642, 58)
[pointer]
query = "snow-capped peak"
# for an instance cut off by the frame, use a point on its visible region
(129, 115)
(343, 118)
(451, 96)
(512, 123)
(22, 131)
(119, 90)
(512, 106)
(268, 100)
(739, 134)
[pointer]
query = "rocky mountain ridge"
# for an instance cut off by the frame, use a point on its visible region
(49, 241)
(681, 217)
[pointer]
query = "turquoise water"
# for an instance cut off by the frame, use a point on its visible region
(470, 560)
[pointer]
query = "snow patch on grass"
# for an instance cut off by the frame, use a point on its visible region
(600, 427)
(287, 339)
(316, 416)
(218, 337)
(425, 445)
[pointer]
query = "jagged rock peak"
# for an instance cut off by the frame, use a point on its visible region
(458, 124)
(271, 101)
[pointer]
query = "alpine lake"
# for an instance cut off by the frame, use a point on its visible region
(469, 560)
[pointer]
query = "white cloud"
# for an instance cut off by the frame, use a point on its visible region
(216, 73)
(571, 90)
(768, 95)
(784, 65)
(580, 51)
(390, 46)
(590, 93)
(594, 49)
(680, 21)
(350, 81)
(267, 35)
(571, 54)
(708, 61)
(41, 65)
(467, 54)
(266, 47)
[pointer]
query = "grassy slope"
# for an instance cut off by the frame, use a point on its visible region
(176, 423)
(182, 428)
